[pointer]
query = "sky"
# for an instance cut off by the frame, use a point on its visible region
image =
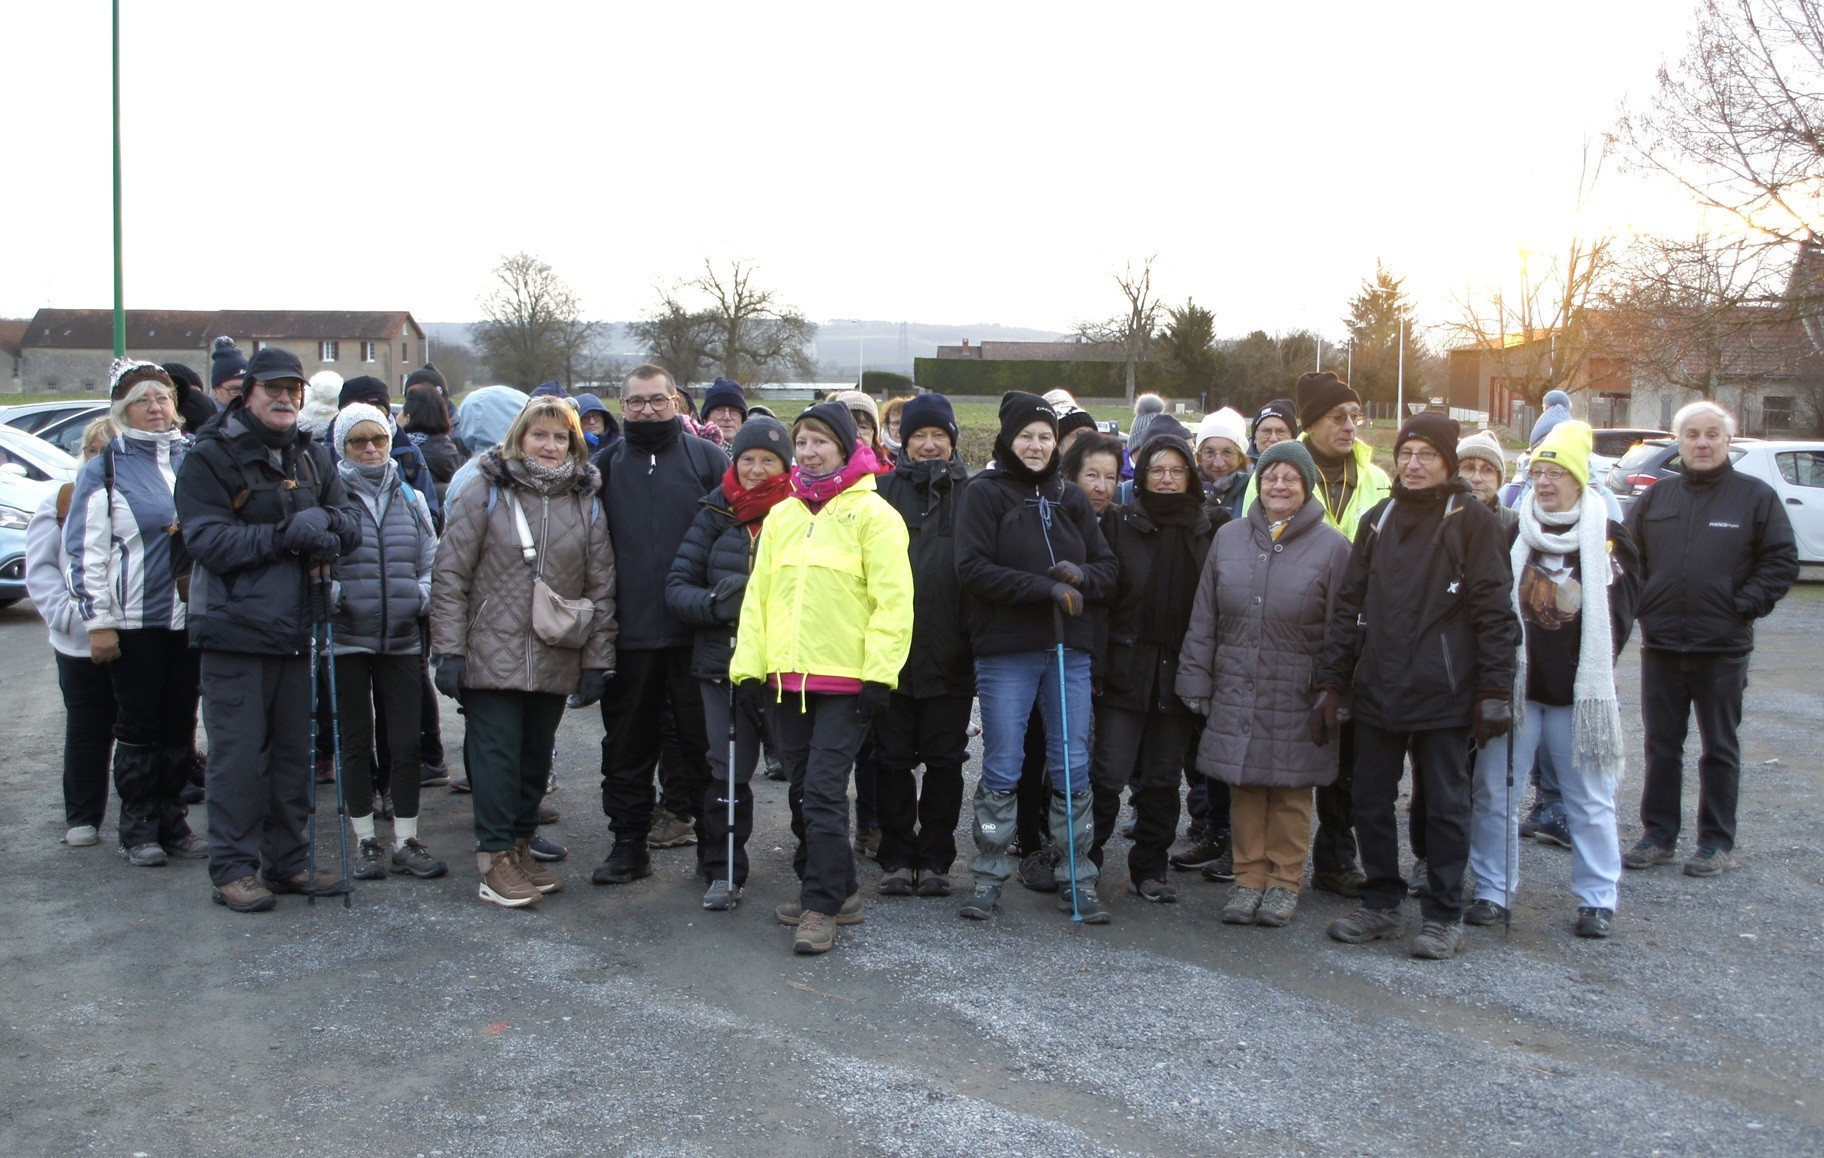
(931, 162)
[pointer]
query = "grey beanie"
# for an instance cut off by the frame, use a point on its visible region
(1483, 445)
(1293, 452)
(762, 432)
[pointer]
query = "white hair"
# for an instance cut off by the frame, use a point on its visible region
(1691, 410)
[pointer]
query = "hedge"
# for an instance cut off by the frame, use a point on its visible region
(992, 377)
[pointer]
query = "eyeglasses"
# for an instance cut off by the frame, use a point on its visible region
(1424, 455)
(648, 405)
(1343, 414)
(278, 387)
(367, 440)
(1166, 473)
(1551, 474)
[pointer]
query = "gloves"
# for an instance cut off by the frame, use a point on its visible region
(750, 693)
(304, 531)
(450, 672)
(874, 697)
(1494, 718)
(726, 600)
(1067, 572)
(104, 645)
(590, 690)
(1325, 725)
(327, 550)
(1068, 598)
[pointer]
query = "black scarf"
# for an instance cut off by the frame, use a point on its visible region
(1172, 581)
(1412, 508)
(652, 437)
(265, 435)
(1016, 469)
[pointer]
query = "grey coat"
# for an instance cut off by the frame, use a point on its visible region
(383, 586)
(1252, 650)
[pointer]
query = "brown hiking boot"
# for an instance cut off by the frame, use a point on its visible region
(541, 878)
(324, 884)
(816, 933)
(849, 914)
(504, 884)
(246, 895)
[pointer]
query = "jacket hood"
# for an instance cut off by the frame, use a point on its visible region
(486, 414)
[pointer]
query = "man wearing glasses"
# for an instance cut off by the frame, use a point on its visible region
(260, 506)
(1424, 634)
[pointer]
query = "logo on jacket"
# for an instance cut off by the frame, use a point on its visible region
(1727, 526)
(1455, 586)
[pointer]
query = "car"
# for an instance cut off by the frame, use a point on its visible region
(1655, 459)
(65, 431)
(1608, 444)
(33, 417)
(19, 498)
(28, 456)
(1795, 471)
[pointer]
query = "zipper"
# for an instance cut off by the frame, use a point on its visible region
(1450, 673)
(380, 546)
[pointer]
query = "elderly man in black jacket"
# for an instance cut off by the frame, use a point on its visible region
(260, 505)
(1716, 554)
(1424, 634)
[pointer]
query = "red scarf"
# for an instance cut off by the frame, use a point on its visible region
(750, 504)
(816, 491)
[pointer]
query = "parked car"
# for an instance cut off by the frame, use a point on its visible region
(1610, 443)
(1795, 470)
(28, 456)
(65, 431)
(19, 497)
(34, 417)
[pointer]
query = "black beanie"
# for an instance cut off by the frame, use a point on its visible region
(183, 376)
(1440, 431)
(1018, 411)
(427, 373)
(1075, 418)
(928, 410)
(1280, 408)
(366, 388)
(226, 362)
(725, 392)
(835, 418)
(1319, 394)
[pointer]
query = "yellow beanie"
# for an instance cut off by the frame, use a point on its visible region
(1568, 446)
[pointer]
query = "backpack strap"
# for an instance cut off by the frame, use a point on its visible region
(63, 501)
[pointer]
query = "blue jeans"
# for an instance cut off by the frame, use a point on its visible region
(1007, 686)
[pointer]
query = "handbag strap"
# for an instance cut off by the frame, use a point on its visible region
(527, 551)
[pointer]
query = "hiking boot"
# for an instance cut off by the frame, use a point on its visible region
(543, 849)
(1342, 882)
(188, 847)
(1222, 869)
(898, 883)
(816, 933)
(1088, 906)
(1157, 892)
(1438, 940)
(1202, 853)
(1276, 908)
(324, 884)
(1130, 830)
(721, 896)
(147, 855)
(1366, 924)
(433, 775)
(1529, 824)
(774, 769)
(626, 863)
(370, 860)
(867, 841)
(190, 794)
(670, 831)
(1484, 912)
(932, 883)
(82, 836)
(413, 859)
(1708, 862)
(1243, 904)
(1645, 854)
(1420, 880)
(849, 914)
(542, 878)
(383, 805)
(246, 895)
(547, 811)
(460, 785)
(1036, 870)
(1553, 829)
(1594, 922)
(981, 903)
(505, 885)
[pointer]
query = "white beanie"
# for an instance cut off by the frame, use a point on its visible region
(1483, 445)
(1225, 423)
(1058, 399)
(321, 397)
(351, 416)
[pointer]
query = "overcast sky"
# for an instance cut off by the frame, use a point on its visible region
(936, 162)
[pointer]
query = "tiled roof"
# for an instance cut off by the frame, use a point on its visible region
(179, 329)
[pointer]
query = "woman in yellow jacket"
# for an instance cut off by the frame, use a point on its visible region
(826, 622)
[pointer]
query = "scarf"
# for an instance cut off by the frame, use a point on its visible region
(544, 480)
(814, 490)
(1006, 460)
(374, 484)
(1172, 580)
(1596, 716)
(707, 431)
(750, 504)
(652, 437)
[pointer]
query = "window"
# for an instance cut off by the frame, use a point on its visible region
(403, 359)
(1776, 414)
(1802, 468)
(327, 351)
(367, 351)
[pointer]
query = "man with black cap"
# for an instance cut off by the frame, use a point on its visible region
(227, 368)
(1424, 635)
(260, 506)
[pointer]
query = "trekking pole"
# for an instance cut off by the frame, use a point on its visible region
(335, 738)
(729, 786)
(310, 828)
(1507, 856)
(1070, 818)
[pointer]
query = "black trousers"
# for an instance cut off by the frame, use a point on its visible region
(713, 849)
(394, 681)
(507, 749)
(1671, 686)
(646, 681)
(818, 736)
(1333, 849)
(257, 711)
(1440, 757)
(88, 738)
(155, 682)
(1146, 750)
(918, 825)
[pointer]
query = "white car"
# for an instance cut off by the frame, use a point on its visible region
(28, 456)
(1795, 471)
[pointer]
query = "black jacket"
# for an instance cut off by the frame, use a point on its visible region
(247, 593)
(926, 495)
(1007, 536)
(1716, 554)
(1137, 676)
(715, 548)
(1424, 622)
(651, 501)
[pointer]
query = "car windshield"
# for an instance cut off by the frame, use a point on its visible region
(1639, 456)
(34, 449)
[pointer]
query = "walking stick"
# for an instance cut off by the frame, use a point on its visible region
(729, 787)
(310, 827)
(335, 739)
(1070, 818)
(1507, 856)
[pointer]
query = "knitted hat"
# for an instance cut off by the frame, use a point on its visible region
(1557, 409)
(1568, 445)
(1483, 445)
(366, 388)
(725, 392)
(1225, 423)
(1163, 433)
(1319, 394)
(183, 376)
(1280, 408)
(1439, 431)
(857, 401)
(928, 410)
(834, 419)
(1072, 418)
(353, 415)
(226, 362)
(1060, 399)
(1294, 453)
(126, 373)
(322, 398)
(762, 432)
(1018, 411)
(427, 373)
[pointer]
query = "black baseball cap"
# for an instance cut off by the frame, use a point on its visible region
(272, 363)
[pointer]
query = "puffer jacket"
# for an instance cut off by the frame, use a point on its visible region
(247, 593)
(1135, 675)
(831, 592)
(125, 554)
(383, 586)
(1255, 640)
(715, 548)
(1371, 486)
(926, 497)
(481, 586)
(47, 568)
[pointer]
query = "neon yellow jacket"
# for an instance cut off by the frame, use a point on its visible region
(830, 594)
(1371, 486)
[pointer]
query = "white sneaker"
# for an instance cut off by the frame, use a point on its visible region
(82, 836)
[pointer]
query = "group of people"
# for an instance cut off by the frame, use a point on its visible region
(1255, 607)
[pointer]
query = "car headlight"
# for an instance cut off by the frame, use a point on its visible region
(13, 519)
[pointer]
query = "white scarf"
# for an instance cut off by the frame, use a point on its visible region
(1596, 716)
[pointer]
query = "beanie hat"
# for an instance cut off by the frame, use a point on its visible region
(552, 389)
(762, 432)
(928, 410)
(1440, 431)
(322, 398)
(1148, 404)
(1281, 408)
(1295, 453)
(1073, 418)
(1319, 394)
(724, 392)
(351, 416)
(183, 376)
(427, 373)
(1225, 423)
(1018, 411)
(126, 373)
(834, 419)
(226, 362)
(366, 388)
(1557, 409)
(1060, 399)
(856, 400)
(1165, 434)
(1483, 445)
(1568, 445)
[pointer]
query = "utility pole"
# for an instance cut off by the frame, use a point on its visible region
(1399, 405)
(120, 308)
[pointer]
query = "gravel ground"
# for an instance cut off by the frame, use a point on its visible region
(141, 1019)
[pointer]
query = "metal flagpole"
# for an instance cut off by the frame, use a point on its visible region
(120, 311)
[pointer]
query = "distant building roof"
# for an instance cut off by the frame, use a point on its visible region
(178, 329)
(11, 330)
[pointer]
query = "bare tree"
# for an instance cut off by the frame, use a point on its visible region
(1133, 330)
(532, 327)
(753, 336)
(678, 339)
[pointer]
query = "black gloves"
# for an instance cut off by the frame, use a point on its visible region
(726, 599)
(1068, 598)
(303, 532)
(874, 697)
(751, 693)
(450, 672)
(1325, 725)
(591, 688)
(1494, 718)
(1067, 572)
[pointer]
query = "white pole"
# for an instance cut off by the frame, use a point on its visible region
(861, 373)
(1320, 353)
(1399, 405)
